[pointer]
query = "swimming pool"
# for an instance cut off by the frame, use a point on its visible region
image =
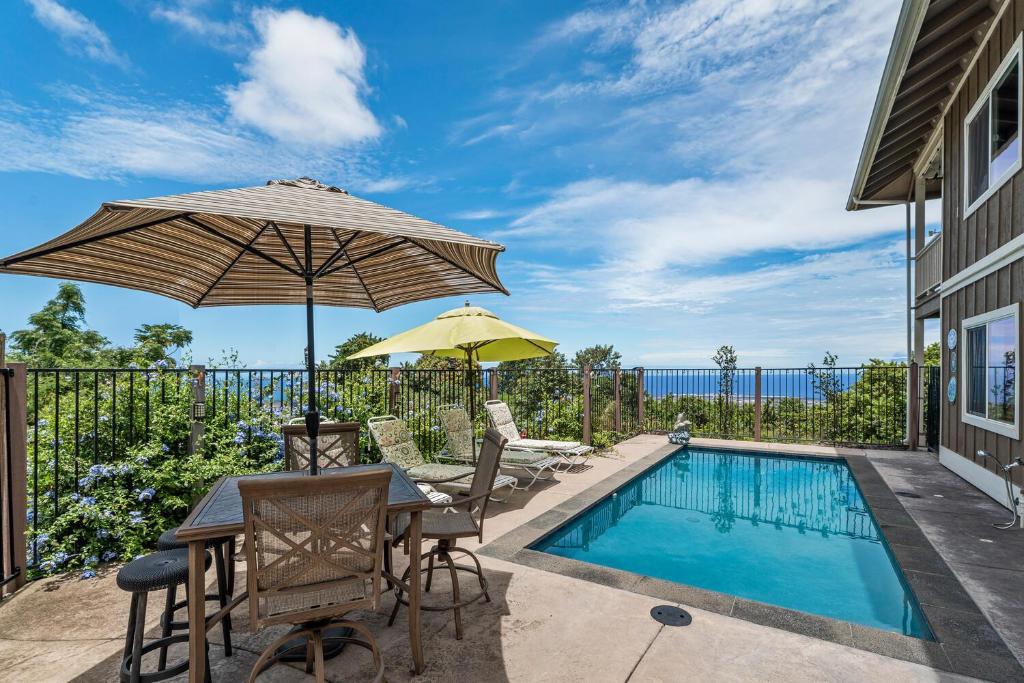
(787, 531)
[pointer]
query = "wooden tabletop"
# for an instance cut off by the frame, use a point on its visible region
(219, 513)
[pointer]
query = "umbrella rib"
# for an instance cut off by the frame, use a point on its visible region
(354, 269)
(447, 260)
(333, 258)
(375, 252)
(241, 245)
(228, 269)
(89, 240)
(287, 246)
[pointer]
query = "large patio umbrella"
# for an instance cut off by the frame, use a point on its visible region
(468, 332)
(289, 242)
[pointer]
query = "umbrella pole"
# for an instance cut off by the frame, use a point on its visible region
(312, 413)
(472, 399)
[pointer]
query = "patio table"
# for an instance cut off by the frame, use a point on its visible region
(219, 514)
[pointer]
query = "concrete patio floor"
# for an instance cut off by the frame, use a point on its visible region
(539, 626)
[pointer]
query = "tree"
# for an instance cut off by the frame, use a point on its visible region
(933, 354)
(157, 342)
(598, 357)
(57, 335)
(725, 358)
(354, 344)
(827, 383)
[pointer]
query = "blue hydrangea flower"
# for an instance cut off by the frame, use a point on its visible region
(87, 574)
(75, 497)
(165, 448)
(108, 556)
(162, 364)
(89, 500)
(97, 471)
(48, 566)
(141, 460)
(135, 517)
(60, 558)
(102, 534)
(92, 559)
(239, 438)
(42, 422)
(146, 494)
(42, 538)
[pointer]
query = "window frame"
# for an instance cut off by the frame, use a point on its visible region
(996, 426)
(985, 101)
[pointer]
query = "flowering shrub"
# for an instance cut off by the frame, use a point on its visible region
(121, 507)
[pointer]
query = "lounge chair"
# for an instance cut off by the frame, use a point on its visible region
(569, 453)
(397, 446)
(459, 432)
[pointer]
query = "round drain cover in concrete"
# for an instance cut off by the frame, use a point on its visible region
(671, 616)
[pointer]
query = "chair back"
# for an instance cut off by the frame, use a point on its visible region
(337, 445)
(501, 419)
(395, 441)
(458, 431)
(487, 465)
(314, 545)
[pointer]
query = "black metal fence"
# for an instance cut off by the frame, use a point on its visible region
(11, 557)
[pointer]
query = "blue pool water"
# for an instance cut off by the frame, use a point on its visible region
(787, 531)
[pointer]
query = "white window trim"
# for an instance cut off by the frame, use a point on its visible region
(983, 97)
(1010, 430)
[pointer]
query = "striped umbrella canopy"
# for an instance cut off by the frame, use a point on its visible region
(288, 242)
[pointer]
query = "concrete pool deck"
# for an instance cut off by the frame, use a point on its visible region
(539, 625)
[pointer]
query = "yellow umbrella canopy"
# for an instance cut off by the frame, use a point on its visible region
(469, 331)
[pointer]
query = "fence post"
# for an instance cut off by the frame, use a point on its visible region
(587, 434)
(198, 407)
(640, 400)
(914, 404)
(618, 400)
(757, 403)
(393, 391)
(14, 492)
(492, 383)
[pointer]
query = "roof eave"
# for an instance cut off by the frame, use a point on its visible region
(908, 26)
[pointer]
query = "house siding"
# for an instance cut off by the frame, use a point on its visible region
(967, 240)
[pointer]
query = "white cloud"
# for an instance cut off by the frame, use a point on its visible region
(478, 215)
(77, 32)
(384, 185)
(492, 132)
(188, 15)
(305, 82)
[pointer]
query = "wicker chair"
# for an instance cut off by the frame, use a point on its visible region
(397, 446)
(459, 434)
(466, 521)
(314, 549)
(569, 453)
(337, 445)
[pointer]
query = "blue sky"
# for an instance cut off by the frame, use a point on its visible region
(667, 177)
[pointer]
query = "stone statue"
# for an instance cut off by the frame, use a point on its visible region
(680, 434)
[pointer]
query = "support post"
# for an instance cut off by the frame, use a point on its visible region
(640, 400)
(618, 400)
(198, 407)
(393, 384)
(14, 460)
(914, 400)
(587, 433)
(757, 403)
(492, 384)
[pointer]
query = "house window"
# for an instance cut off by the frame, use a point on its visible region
(990, 382)
(992, 137)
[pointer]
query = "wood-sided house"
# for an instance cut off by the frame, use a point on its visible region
(947, 124)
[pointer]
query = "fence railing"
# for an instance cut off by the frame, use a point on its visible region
(80, 418)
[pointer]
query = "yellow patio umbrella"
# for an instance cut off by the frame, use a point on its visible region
(468, 332)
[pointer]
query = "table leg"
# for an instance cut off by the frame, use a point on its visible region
(196, 611)
(415, 540)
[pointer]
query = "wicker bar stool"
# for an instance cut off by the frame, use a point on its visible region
(314, 552)
(464, 519)
(164, 569)
(224, 558)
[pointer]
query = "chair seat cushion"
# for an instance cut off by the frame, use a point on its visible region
(543, 445)
(157, 570)
(437, 470)
(441, 524)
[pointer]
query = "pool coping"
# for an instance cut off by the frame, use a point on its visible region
(965, 643)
